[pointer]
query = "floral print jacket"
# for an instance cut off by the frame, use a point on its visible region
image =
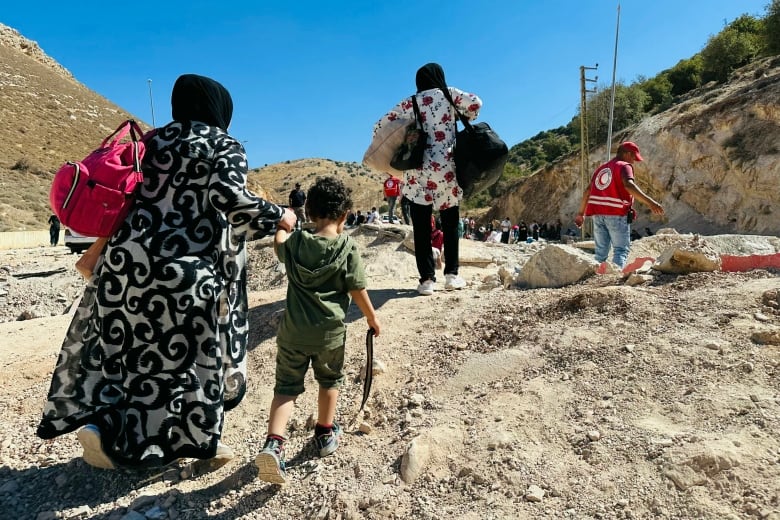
(435, 183)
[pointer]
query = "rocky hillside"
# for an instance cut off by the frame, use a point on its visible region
(713, 161)
(601, 400)
(276, 181)
(47, 118)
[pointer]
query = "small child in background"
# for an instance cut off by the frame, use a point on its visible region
(325, 272)
(437, 242)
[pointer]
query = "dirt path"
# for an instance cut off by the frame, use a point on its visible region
(597, 400)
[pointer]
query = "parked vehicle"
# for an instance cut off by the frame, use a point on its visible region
(76, 242)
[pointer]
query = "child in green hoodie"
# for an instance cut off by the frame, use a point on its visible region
(325, 273)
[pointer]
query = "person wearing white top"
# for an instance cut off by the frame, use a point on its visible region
(506, 226)
(434, 185)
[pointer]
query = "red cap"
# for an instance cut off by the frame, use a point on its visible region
(632, 147)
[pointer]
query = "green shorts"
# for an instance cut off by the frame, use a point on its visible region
(291, 367)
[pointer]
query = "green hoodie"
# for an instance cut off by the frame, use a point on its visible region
(320, 271)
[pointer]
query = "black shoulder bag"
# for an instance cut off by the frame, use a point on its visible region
(480, 155)
(409, 155)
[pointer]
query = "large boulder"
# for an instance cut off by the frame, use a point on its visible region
(694, 255)
(556, 266)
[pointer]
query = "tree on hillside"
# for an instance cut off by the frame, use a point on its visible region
(659, 92)
(772, 27)
(555, 146)
(542, 148)
(736, 45)
(629, 108)
(686, 75)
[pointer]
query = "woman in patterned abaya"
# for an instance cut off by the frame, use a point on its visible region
(156, 353)
(434, 186)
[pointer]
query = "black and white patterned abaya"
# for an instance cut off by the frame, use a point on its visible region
(156, 351)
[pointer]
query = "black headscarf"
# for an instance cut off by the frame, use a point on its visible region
(431, 76)
(198, 98)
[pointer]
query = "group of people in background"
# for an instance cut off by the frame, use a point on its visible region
(505, 232)
(356, 218)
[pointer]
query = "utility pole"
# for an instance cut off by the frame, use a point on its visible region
(612, 100)
(151, 102)
(584, 145)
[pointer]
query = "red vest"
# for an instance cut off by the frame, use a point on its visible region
(392, 187)
(608, 194)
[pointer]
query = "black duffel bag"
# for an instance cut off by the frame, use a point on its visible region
(480, 156)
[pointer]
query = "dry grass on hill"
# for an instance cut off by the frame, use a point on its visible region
(277, 180)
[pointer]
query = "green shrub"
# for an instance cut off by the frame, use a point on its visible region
(686, 75)
(735, 46)
(23, 164)
(772, 27)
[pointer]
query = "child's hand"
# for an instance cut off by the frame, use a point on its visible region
(374, 324)
(288, 220)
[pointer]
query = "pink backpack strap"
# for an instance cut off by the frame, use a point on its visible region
(117, 134)
(136, 134)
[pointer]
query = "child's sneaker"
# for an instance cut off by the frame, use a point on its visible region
(270, 462)
(327, 443)
(89, 437)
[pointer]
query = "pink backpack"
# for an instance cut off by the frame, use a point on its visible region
(93, 197)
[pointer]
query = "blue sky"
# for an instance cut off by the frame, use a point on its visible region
(309, 79)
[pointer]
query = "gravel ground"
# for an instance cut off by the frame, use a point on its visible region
(595, 401)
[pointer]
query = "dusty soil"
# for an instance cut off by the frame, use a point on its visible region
(598, 400)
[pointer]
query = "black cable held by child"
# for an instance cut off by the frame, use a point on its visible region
(369, 377)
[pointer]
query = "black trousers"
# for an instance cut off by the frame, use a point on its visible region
(421, 226)
(405, 211)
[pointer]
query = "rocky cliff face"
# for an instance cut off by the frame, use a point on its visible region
(713, 161)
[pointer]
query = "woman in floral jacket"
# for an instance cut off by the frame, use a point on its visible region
(434, 186)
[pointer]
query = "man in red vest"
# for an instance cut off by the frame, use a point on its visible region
(608, 199)
(392, 191)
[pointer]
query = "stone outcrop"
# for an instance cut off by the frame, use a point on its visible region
(556, 266)
(693, 256)
(668, 252)
(11, 38)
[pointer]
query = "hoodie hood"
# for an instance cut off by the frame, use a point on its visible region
(321, 272)
(314, 260)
